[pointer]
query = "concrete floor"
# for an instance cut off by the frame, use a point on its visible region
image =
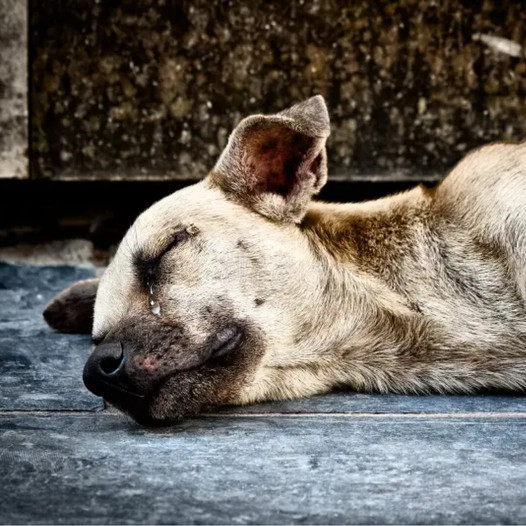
(341, 458)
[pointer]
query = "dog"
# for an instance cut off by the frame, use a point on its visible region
(242, 288)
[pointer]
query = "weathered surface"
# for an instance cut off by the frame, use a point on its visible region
(96, 469)
(13, 88)
(152, 89)
(39, 368)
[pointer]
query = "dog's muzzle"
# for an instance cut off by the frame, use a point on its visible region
(105, 375)
(107, 371)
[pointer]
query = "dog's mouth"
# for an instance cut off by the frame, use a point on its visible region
(134, 394)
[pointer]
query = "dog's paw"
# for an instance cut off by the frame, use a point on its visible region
(72, 310)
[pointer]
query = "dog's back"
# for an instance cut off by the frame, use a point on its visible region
(486, 195)
(455, 257)
(487, 192)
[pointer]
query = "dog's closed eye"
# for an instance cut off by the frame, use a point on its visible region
(147, 264)
(178, 237)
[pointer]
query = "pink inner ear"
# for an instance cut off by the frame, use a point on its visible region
(275, 160)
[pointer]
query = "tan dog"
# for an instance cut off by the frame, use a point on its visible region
(240, 288)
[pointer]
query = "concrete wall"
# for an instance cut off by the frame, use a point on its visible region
(151, 89)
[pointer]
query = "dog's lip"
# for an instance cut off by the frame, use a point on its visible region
(219, 345)
(226, 340)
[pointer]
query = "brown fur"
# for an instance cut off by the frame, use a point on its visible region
(420, 292)
(72, 309)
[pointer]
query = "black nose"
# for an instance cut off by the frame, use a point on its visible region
(105, 373)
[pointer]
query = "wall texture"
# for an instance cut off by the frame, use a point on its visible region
(13, 88)
(151, 89)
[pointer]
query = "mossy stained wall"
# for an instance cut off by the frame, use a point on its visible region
(152, 89)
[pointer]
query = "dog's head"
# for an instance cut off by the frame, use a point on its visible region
(212, 284)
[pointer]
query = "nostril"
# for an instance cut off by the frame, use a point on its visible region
(110, 364)
(109, 358)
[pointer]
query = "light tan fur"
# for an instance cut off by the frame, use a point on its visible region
(424, 291)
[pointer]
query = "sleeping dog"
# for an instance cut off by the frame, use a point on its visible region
(241, 288)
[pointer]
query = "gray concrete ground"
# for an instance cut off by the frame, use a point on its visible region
(341, 458)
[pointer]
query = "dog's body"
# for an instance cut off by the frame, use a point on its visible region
(241, 289)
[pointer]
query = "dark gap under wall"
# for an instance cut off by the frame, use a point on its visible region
(40, 211)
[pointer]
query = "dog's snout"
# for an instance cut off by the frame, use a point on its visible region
(105, 372)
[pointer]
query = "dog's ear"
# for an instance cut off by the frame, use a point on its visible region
(275, 163)
(72, 309)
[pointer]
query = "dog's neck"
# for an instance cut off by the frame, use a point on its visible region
(355, 310)
(361, 245)
(366, 234)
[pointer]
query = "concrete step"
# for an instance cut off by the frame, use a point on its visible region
(103, 469)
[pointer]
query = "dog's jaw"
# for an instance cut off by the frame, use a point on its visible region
(188, 393)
